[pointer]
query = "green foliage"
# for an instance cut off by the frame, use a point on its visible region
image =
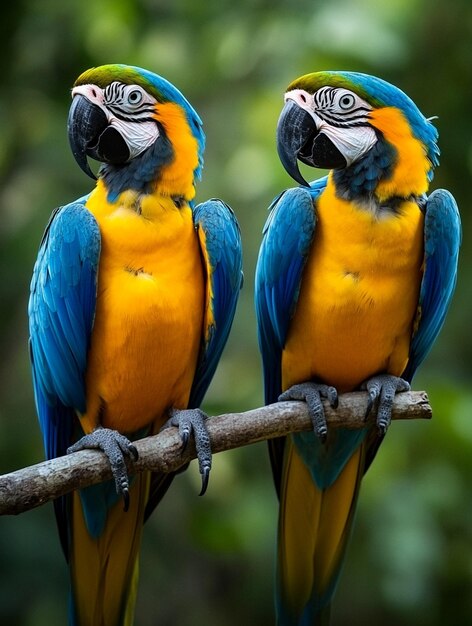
(210, 560)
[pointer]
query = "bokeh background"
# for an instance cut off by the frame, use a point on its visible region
(210, 560)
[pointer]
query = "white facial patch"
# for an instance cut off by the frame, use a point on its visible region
(352, 142)
(138, 137)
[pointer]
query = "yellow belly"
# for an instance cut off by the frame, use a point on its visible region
(149, 314)
(358, 298)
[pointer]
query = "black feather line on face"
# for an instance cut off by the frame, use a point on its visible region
(128, 117)
(353, 118)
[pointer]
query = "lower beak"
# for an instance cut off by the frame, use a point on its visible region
(295, 127)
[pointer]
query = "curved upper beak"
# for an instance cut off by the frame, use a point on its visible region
(85, 124)
(295, 127)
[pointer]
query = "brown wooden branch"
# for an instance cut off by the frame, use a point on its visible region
(33, 486)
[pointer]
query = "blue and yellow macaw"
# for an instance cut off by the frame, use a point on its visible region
(132, 299)
(353, 282)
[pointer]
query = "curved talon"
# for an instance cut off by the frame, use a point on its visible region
(184, 436)
(382, 428)
(205, 473)
(192, 421)
(134, 452)
(334, 398)
(125, 494)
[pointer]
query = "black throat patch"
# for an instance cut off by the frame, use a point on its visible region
(359, 180)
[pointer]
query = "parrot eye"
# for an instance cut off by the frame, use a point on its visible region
(346, 101)
(135, 96)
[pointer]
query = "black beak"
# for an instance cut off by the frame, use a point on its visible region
(298, 139)
(85, 125)
(294, 129)
(91, 135)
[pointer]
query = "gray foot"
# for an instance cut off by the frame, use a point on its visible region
(383, 388)
(117, 448)
(191, 421)
(312, 394)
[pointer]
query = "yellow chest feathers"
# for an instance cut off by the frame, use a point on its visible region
(359, 294)
(149, 312)
(145, 231)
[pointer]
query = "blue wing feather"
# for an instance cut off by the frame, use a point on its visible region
(223, 258)
(61, 313)
(62, 306)
(287, 238)
(442, 239)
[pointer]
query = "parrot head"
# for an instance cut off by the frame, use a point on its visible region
(345, 120)
(139, 126)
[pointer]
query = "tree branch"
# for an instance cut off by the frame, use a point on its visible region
(33, 486)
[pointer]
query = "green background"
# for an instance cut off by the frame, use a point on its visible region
(210, 560)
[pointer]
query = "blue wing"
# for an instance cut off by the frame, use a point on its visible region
(61, 312)
(442, 239)
(287, 238)
(220, 243)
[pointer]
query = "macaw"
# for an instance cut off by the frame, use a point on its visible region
(353, 281)
(132, 298)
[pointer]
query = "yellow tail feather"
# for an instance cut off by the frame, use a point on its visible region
(314, 526)
(104, 570)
